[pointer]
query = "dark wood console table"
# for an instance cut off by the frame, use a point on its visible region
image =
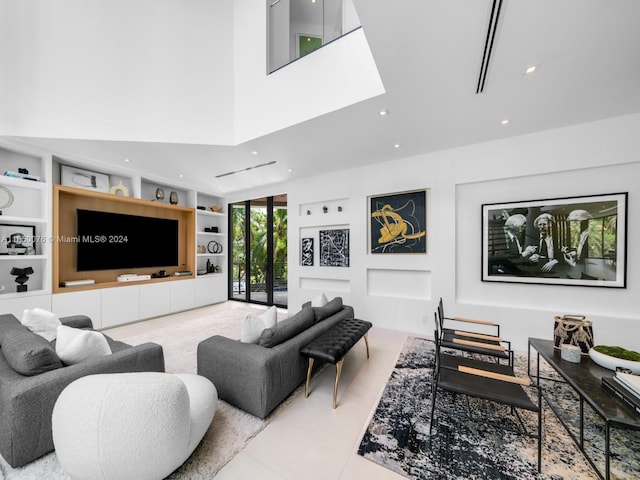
(585, 378)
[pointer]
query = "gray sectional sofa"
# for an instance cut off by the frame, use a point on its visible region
(27, 398)
(258, 377)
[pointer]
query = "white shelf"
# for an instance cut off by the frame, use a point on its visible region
(21, 258)
(28, 293)
(210, 254)
(210, 213)
(21, 220)
(211, 234)
(22, 183)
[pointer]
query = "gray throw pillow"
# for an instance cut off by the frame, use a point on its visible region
(26, 352)
(331, 308)
(287, 329)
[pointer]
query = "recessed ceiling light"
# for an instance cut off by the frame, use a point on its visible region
(290, 170)
(397, 145)
(504, 122)
(254, 152)
(383, 113)
(125, 160)
(530, 69)
(181, 175)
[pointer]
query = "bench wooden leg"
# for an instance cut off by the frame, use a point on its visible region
(366, 342)
(306, 386)
(335, 388)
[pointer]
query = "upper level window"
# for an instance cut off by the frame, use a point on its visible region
(298, 27)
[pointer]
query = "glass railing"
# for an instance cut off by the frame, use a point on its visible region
(298, 27)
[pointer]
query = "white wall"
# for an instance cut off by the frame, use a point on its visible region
(401, 291)
(117, 70)
(339, 74)
(189, 71)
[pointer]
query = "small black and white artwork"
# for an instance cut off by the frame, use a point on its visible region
(334, 248)
(306, 252)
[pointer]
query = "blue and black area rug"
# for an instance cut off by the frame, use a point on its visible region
(480, 439)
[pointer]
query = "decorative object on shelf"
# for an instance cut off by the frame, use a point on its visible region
(216, 208)
(16, 239)
(79, 178)
(334, 248)
(22, 276)
(173, 198)
(200, 207)
(8, 201)
(398, 222)
(548, 241)
(306, 252)
(214, 247)
(616, 358)
(202, 249)
(573, 330)
(211, 268)
(22, 173)
(325, 209)
(159, 194)
(211, 229)
(571, 353)
(119, 189)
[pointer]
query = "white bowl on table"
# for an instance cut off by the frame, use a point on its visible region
(612, 363)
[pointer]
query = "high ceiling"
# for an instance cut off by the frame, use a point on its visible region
(429, 54)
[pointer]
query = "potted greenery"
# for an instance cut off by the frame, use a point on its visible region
(613, 357)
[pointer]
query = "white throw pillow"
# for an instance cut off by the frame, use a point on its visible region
(254, 325)
(42, 322)
(320, 300)
(75, 345)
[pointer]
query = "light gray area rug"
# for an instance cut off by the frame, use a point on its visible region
(231, 428)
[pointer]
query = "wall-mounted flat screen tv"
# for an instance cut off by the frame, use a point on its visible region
(109, 241)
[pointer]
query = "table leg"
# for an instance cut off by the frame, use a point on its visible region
(335, 388)
(581, 423)
(607, 452)
(366, 341)
(306, 385)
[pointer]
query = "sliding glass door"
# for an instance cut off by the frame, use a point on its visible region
(259, 251)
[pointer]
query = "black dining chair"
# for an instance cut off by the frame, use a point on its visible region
(485, 380)
(473, 342)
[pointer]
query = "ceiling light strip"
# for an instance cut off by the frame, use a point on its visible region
(488, 43)
(246, 169)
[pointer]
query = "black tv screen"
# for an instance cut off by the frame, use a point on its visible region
(108, 241)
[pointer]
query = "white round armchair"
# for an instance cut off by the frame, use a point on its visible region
(138, 426)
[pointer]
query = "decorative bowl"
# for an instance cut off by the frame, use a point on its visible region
(612, 363)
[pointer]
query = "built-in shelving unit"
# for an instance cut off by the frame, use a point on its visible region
(25, 213)
(68, 200)
(43, 207)
(211, 245)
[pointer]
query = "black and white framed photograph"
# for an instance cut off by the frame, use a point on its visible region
(334, 248)
(79, 178)
(561, 241)
(306, 252)
(398, 222)
(17, 239)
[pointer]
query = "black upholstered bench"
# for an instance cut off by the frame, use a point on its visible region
(333, 345)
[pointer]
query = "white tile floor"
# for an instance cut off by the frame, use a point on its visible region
(309, 439)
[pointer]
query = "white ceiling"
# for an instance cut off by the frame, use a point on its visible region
(428, 53)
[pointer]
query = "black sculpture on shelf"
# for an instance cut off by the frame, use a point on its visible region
(22, 276)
